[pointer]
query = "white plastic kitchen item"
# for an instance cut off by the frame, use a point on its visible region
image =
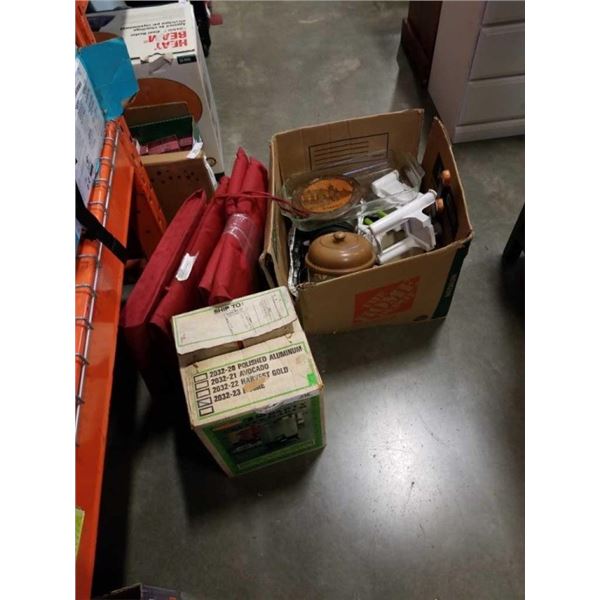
(408, 227)
(390, 186)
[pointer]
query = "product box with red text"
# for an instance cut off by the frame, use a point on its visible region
(167, 57)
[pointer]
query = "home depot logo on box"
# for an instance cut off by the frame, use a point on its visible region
(385, 301)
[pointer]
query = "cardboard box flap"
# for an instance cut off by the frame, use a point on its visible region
(274, 260)
(317, 146)
(153, 31)
(173, 157)
(243, 322)
(438, 156)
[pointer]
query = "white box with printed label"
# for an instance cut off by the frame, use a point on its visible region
(166, 53)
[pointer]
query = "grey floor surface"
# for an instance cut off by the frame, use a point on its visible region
(420, 490)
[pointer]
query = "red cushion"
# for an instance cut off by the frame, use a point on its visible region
(159, 271)
(183, 296)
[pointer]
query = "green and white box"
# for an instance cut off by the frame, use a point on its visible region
(262, 403)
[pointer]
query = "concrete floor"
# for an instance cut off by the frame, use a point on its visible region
(420, 491)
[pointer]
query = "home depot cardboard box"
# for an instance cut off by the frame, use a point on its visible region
(413, 289)
(167, 57)
(253, 392)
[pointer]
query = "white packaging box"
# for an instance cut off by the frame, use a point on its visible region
(163, 43)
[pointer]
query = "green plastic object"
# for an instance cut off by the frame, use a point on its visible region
(79, 516)
(147, 133)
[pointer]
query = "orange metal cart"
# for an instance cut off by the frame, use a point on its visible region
(121, 191)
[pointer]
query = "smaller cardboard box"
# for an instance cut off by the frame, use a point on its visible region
(258, 398)
(175, 177)
(168, 60)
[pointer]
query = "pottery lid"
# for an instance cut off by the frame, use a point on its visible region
(340, 252)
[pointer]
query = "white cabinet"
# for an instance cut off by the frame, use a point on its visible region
(477, 80)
